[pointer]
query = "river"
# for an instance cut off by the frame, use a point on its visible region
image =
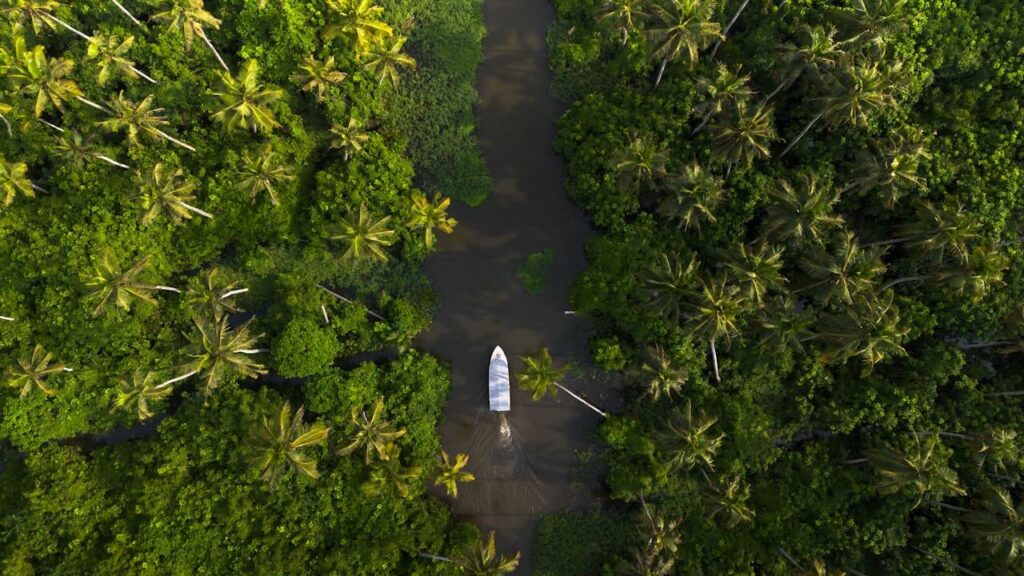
(482, 304)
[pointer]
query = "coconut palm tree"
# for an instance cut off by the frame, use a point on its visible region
(14, 181)
(659, 376)
(316, 76)
(110, 52)
(349, 137)
(430, 216)
(33, 372)
(688, 441)
(389, 478)
(728, 500)
(76, 149)
(386, 62)
(358, 22)
(678, 26)
(847, 272)
(758, 269)
(246, 102)
(364, 236)
(715, 316)
(109, 283)
(999, 525)
(923, 469)
(876, 20)
(139, 120)
(165, 191)
(784, 325)
(481, 559)
(539, 377)
(893, 166)
(45, 79)
(281, 443)
(450, 475)
(982, 272)
(817, 58)
(645, 562)
(727, 89)
(662, 535)
(218, 351)
(743, 134)
(669, 283)
(373, 433)
(38, 13)
(941, 231)
(135, 395)
(190, 17)
(212, 295)
(693, 197)
(802, 214)
(641, 163)
(870, 329)
(998, 449)
(624, 17)
(260, 172)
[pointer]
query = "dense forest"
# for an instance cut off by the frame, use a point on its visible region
(809, 271)
(213, 219)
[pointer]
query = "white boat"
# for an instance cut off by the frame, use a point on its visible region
(498, 382)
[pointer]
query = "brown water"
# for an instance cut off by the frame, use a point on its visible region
(531, 470)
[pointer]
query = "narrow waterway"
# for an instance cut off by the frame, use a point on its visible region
(534, 469)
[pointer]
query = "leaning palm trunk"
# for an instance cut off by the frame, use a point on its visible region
(88, 102)
(127, 13)
(177, 379)
(945, 561)
(167, 289)
(802, 133)
(195, 210)
(1006, 394)
(67, 26)
(113, 162)
(899, 281)
(172, 139)
(714, 361)
(202, 34)
(6, 318)
(703, 123)
(39, 189)
(585, 403)
(434, 557)
(3, 118)
(144, 75)
(977, 345)
(347, 301)
(51, 126)
(661, 71)
(725, 33)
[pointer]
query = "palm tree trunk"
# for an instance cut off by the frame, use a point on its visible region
(855, 461)
(661, 72)
(587, 404)
(899, 281)
(195, 210)
(434, 558)
(952, 507)
(983, 345)
(774, 93)
(231, 293)
(725, 33)
(167, 289)
(144, 75)
(177, 379)
(888, 242)
(88, 102)
(703, 123)
(802, 134)
(113, 162)
(69, 27)
(791, 560)
(1005, 394)
(10, 134)
(347, 301)
(202, 34)
(327, 319)
(946, 561)
(6, 318)
(714, 361)
(39, 189)
(51, 126)
(172, 139)
(127, 13)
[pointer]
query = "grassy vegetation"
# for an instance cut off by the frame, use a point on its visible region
(533, 272)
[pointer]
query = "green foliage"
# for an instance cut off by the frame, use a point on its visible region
(579, 544)
(533, 272)
(303, 349)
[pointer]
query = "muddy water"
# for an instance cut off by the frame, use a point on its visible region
(530, 468)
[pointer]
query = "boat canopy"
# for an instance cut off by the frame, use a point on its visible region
(498, 382)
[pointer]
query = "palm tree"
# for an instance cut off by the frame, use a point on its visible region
(660, 377)
(803, 214)
(1000, 525)
(165, 191)
(246, 101)
(870, 329)
(364, 236)
(76, 149)
(743, 134)
(715, 316)
(349, 137)
(218, 351)
(374, 434)
(110, 283)
(260, 172)
(681, 25)
(33, 372)
(893, 166)
(877, 20)
(316, 76)
(45, 79)
(212, 296)
(998, 449)
(642, 162)
(358, 21)
(450, 475)
(431, 215)
(688, 440)
(818, 57)
(389, 478)
(540, 377)
(758, 270)
(848, 272)
(280, 443)
(111, 54)
(668, 284)
(135, 395)
(982, 272)
(728, 499)
(726, 90)
(622, 16)
(732, 21)
(938, 230)
(661, 535)
(644, 561)
(190, 17)
(923, 469)
(386, 62)
(36, 12)
(695, 194)
(14, 181)
(139, 120)
(784, 325)
(481, 559)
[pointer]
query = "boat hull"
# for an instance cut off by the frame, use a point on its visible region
(498, 383)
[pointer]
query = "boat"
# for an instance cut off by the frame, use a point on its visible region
(498, 385)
